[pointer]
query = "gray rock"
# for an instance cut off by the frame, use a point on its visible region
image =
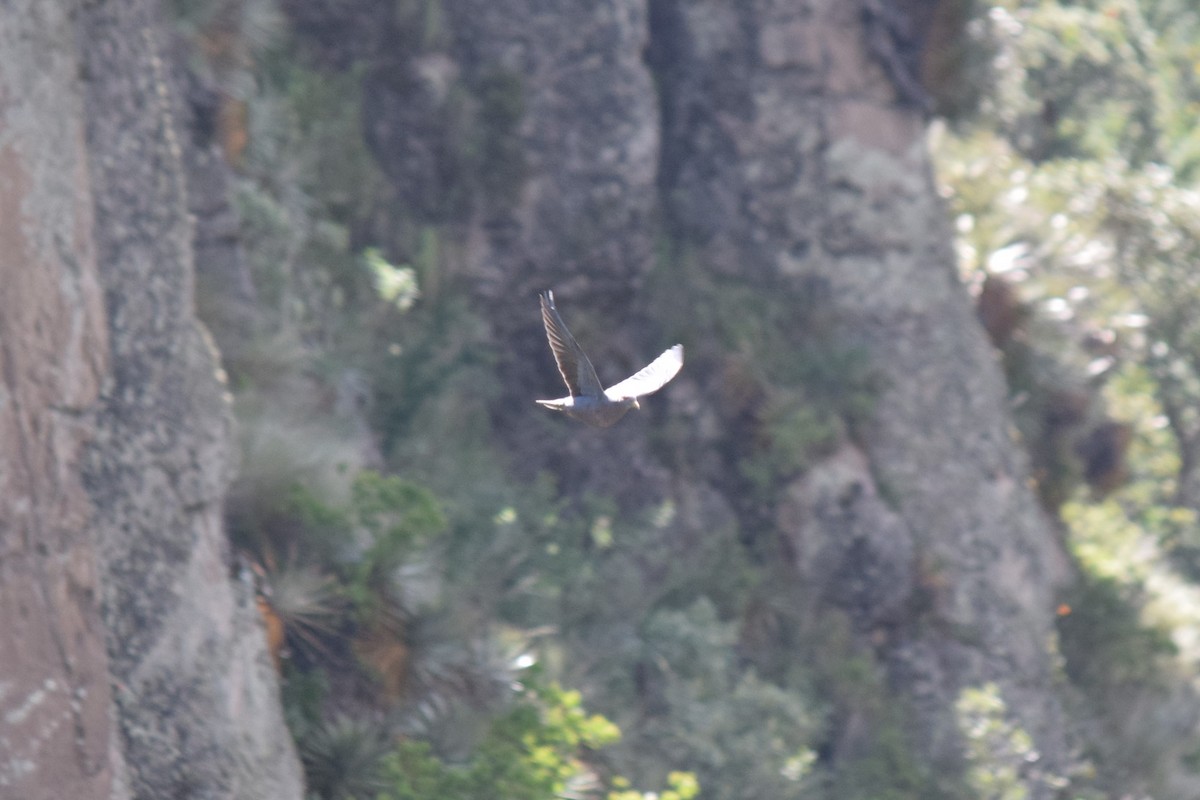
(196, 693)
(57, 734)
(132, 664)
(792, 172)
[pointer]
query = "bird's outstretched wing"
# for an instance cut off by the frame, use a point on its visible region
(577, 371)
(650, 378)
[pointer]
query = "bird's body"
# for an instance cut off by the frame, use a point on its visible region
(599, 412)
(588, 401)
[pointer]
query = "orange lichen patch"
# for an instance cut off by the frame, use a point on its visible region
(233, 128)
(274, 629)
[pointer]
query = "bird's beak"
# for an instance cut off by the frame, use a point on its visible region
(636, 404)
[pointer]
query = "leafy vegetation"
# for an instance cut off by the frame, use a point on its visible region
(1076, 185)
(531, 752)
(998, 751)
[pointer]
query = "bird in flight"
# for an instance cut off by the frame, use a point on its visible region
(588, 401)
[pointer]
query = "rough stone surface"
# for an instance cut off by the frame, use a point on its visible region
(131, 665)
(195, 690)
(225, 292)
(846, 544)
(569, 138)
(56, 713)
(802, 164)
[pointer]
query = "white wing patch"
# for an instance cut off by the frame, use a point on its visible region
(651, 378)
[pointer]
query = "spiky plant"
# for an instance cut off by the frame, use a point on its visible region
(450, 659)
(294, 481)
(308, 603)
(343, 759)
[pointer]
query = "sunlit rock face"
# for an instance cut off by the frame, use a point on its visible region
(56, 713)
(135, 666)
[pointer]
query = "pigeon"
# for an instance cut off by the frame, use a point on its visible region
(590, 402)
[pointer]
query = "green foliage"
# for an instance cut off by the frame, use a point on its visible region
(291, 471)
(743, 737)
(1087, 182)
(317, 518)
(432, 380)
(331, 574)
(793, 436)
(303, 694)
(1126, 631)
(751, 723)
(879, 762)
(1106, 646)
(335, 168)
(396, 285)
(414, 773)
(1088, 68)
(392, 518)
(306, 180)
(395, 513)
(365, 537)
(888, 768)
(534, 751)
(795, 383)
(683, 786)
(999, 751)
(1078, 184)
(344, 759)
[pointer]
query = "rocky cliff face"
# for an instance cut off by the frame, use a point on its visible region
(773, 151)
(795, 163)
(136, 668)
(57, 730)
(745, 176)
